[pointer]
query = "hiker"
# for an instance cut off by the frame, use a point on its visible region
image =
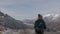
(39, 25)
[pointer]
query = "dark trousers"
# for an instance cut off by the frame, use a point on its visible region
(39, 31)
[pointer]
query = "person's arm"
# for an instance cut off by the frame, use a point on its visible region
(44, 25)
(35, 24)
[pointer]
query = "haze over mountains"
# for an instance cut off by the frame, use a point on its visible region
(14, 24)
(10, 22)
(55, 23)
(52, 22)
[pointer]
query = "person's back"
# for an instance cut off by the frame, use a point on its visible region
(39, 25)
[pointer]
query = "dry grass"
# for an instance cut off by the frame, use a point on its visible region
(27, 31)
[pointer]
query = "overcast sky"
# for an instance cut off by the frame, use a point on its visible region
(22, 9)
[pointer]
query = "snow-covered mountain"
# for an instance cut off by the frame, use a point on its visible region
(52, 20)
(49, 17)
(10, 22)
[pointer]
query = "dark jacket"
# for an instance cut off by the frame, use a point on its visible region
(44, 25)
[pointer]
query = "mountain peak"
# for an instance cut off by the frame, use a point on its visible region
(1, 14)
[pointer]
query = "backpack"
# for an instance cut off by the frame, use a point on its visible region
(39, 24)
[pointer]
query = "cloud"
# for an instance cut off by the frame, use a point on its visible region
(54, 9)
(11, 2)
(17, 16)
(9, 12)
(7, 2)
(28, 8)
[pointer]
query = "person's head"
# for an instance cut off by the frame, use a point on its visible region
(39, 17)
